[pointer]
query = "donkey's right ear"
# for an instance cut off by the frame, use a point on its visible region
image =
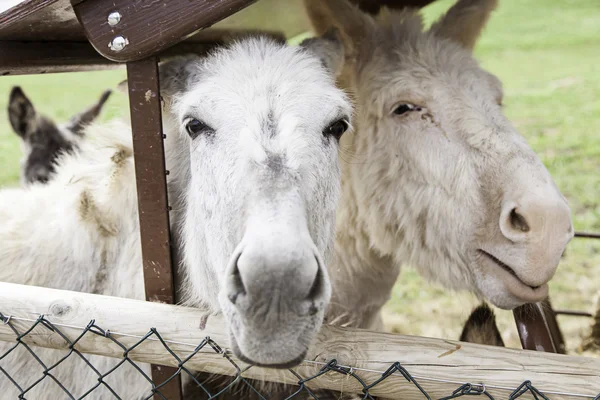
(329, 49)
(352, 24)
(21, 112)
(174, 75)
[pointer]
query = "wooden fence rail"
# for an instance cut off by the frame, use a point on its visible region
(440, 366)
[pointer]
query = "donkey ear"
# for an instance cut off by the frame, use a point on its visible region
(465, 21)
(351, 23)
(81, 120)
(481, 328)
(174, 76)
(329, 49)
(21, 113)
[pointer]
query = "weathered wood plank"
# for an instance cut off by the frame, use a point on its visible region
(148, 27)
(150, 173)
(49, 57)
(436, 359)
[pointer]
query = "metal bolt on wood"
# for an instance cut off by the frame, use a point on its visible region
(114, 18)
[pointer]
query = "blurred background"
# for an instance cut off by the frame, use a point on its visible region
(547, 54)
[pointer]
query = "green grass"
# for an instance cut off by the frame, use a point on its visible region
(547, 53)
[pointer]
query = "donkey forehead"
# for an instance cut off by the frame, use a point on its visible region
(261, 71)
(426, 72)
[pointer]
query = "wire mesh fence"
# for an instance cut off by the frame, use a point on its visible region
(233, 385)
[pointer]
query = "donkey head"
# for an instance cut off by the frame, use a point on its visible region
(42, 139)
(258, 125)
(445, 181)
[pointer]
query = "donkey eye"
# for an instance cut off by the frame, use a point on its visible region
(195, 127)
(336, 129)
(404, 108)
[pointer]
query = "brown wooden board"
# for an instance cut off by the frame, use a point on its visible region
(19, 58)
(41, 20)
(55, 20)
(47, 57)
(145, 27)
(148, 148)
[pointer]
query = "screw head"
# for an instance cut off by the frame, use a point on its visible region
(114, 18)
(118, 43)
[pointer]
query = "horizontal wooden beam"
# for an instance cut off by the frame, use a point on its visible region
(438, 365)
(21, 58)
(47, 57)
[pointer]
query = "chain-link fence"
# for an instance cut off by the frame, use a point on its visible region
(197, 386)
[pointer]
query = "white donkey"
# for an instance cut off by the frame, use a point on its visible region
(253, 151)
(434, 175)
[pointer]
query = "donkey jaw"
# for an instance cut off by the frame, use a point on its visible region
(508, 290)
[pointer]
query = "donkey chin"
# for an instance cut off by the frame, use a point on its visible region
(283, 346)
(512, 278)
(275, 335)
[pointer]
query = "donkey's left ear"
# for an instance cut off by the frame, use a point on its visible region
(21, 112)
(465, 21)
(329, 49)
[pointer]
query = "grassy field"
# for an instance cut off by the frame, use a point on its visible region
(547, 53)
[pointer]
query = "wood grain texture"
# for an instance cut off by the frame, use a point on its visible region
(20, 58)
(422, 357)
(149, 26)
(55, 20)
(43, 57)
(149, 156)
(148, 149)
(41, 20)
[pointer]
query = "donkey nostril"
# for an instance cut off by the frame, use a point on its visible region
(233, 297)
(317, 286)
(518, 221)
(237, 285)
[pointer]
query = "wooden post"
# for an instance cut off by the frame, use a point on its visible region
(149, 156)
(439, 366)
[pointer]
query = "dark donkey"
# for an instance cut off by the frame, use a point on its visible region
(42, 139)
